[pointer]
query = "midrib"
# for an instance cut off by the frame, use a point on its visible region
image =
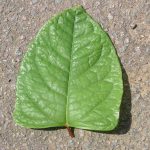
(67, 106)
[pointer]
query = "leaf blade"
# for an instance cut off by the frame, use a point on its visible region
(73, 62)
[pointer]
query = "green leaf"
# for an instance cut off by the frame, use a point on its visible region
(70, 76)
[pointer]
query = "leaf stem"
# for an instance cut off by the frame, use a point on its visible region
(71, 133)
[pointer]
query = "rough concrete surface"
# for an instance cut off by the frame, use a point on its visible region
(128, 24)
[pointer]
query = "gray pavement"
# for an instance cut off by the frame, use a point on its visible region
(128, 24)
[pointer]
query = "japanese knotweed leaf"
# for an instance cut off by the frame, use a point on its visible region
(70, 76)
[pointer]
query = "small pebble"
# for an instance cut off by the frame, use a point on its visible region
(33, 13)
(71, 142)
(21, 37)
(5, 124)
(34, 1)
(138, 51)
(126, 41)
(147, 19)
(97, 3)
(133, 26)
(148, 49)
(81, 133)
(58, 1)
(24, 18)
(18, 52)
(21, 9)
(110, 17)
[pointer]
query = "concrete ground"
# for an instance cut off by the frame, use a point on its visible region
(128, 24)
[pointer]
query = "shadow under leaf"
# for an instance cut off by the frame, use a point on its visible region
(125, 117)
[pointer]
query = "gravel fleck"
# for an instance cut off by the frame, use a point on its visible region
(33, 13)
(110, 17)
(18, 52)
(6, 124)
(34, 1)
(97, 3)
(126, 41)
(22, 37)
(133, 26)
(137, 50)
(58, 1)
(147, 19)
(81, 133)
(24, 18)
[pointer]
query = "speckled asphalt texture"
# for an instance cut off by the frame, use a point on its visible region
(128, 24)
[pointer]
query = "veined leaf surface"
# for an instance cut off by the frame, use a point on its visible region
(70, 76)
